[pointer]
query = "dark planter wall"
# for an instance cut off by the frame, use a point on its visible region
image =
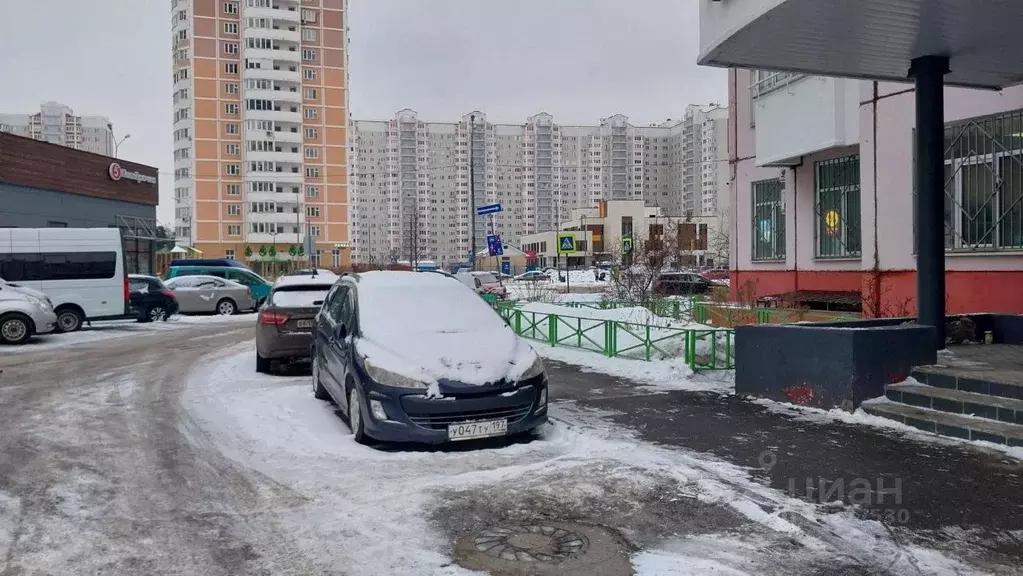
(828, 366)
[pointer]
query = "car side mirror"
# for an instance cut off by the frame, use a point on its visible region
(340, 332)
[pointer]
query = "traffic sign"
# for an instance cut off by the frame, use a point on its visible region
(566, 244)
(494, 246)
(627, 244)
(488, 209)
(506, 267)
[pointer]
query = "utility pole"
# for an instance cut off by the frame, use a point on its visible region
(472, 192)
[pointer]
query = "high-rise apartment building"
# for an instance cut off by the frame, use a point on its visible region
(704, 160)
(57, 124)
(411, 179)
(260, 128)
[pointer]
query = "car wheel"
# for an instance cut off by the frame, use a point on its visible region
(262, 364)
(355, 416)
(319, 391)
(15, 329)
(69, 320)
(226, 307)
(156, 313)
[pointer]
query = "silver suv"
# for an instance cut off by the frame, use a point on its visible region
(23, 313)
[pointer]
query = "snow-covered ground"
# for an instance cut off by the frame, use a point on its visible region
(359, 510)
(107, 330)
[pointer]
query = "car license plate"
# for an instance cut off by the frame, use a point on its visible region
(471, 430)
(305, 323)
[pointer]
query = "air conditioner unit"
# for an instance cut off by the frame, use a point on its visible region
(270, 135)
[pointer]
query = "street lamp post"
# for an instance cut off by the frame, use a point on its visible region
(273, 243)
(117, 143)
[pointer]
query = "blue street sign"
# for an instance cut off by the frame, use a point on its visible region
(566, 243)
(488, 209)
(506, 267)
(494, 246)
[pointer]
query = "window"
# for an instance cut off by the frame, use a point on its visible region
(308, 16)
(230, 87)
(309, 93)
(234, 209)
(311, 113)
(768, 221)
(230, 128)
(231, 28)
(308, 54)
(314, 231)
(229, 253)
(35, 266)
(232, 189)
(312, 192)
(311, 134)
(312, 172)
(230, 7)
(231, 149)
(234, 230)
(309, 34)
(312, 211)
(312, 153)
(232, 169)
(309, 73)
(837, 207)
(230, 47)
(230, 68)
(984, 184)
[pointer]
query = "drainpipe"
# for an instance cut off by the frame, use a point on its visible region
(876, 284)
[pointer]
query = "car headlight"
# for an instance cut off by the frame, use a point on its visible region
(535, 369)
(388, 378)
(39, 302)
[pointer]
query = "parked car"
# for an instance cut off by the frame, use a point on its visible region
(680, 283)
(150, 299)
(716, 274)
(81, 270)
(417, 357)
(284, 330)
(483, 283)
(214, 262)
(312, 272)
(533, 276)
(24, 314)
(259, 286)
(206, 294)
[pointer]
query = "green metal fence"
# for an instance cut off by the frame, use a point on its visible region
(703, 349)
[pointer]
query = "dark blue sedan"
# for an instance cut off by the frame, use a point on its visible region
(416, 357)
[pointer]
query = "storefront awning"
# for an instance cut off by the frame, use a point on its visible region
(873, 39)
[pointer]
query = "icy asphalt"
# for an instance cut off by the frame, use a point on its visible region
(163, 452)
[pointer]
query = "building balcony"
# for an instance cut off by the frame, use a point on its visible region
(286, 218)
(287, 198)
(277, 239)
(278, 96)
(288, 157)
(282, 75)
(284, 178)
(274, 115)
(281, 33)
(800, 115)
(287, 136)
(278, 15)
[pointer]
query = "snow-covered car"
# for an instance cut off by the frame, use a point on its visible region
(24, 312)
(413, 357)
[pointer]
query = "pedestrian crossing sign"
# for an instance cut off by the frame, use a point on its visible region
(566, 244)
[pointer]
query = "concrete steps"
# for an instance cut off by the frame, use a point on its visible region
(941, 378)
(953, 422)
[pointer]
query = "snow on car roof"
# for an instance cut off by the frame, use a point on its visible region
(318, 280)
(400, 278)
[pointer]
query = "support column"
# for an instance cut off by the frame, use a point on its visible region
(928, 73)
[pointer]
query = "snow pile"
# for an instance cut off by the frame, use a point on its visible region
(578, 277)
(428, 327)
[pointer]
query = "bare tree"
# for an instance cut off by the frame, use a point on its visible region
(637, 263)
(413, 242)
(718, 241)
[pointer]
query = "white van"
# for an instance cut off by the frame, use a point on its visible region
(81, 270)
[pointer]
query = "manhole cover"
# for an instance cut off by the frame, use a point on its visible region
(533, 543)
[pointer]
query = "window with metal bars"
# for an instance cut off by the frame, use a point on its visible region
(837, 207)
(983, 184)
(768, 221)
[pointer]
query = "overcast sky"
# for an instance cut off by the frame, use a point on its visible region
(579, 60)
